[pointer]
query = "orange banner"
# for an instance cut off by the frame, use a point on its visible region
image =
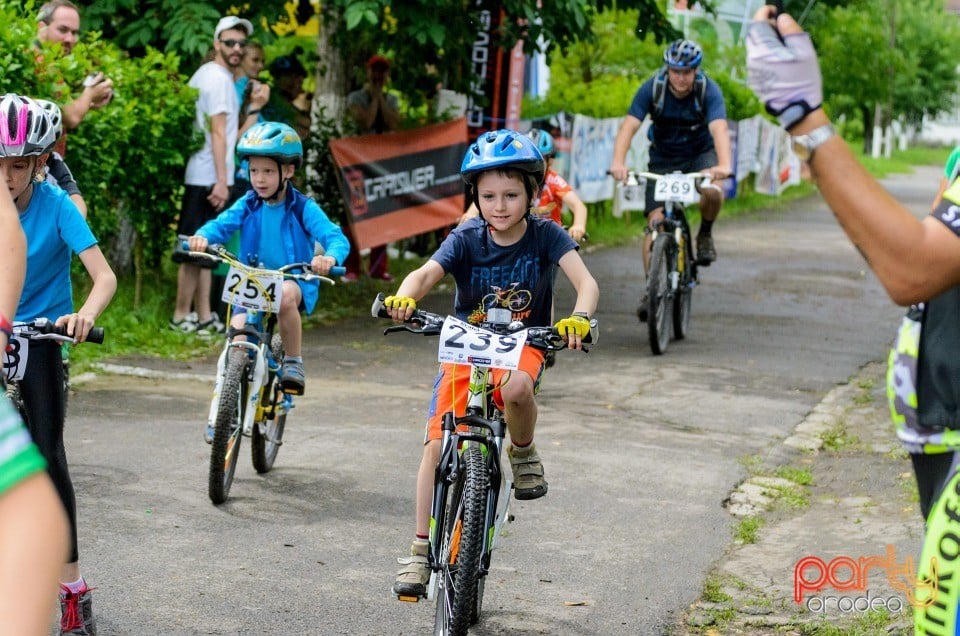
(402, 184)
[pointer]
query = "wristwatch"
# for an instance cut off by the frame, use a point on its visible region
(805, 145)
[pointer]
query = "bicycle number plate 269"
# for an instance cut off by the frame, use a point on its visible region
(676, 187)
(463, 343)
(257, 289)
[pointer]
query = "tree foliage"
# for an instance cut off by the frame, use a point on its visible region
(127, 158)
(895, 57)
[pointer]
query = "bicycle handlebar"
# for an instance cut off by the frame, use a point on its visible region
(220, 254)
(545, 338)
(46, 329)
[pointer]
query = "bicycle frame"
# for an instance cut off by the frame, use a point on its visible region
(256, 343)
(483, 424)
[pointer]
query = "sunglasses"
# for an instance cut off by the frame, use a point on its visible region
(234, 43)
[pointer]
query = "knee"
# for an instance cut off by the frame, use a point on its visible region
(518, 389)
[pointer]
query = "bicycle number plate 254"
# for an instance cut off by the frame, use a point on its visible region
(676, 187)
(463, 343)
(257, 289)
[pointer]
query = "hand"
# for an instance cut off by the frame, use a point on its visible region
(618, 171)
(782, 67)
(78, 325)
(322, 264)
(259, 95)
(100, 91)
(400, 308)
(218, 196)
(719, 173)
(577, 232)
(574, 329)
(197, 243)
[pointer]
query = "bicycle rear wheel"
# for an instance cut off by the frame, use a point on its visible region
(461, 544)
(267, 435)
(659, 295)
(684, 298)
(228, 427)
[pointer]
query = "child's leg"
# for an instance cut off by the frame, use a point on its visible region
(519, 407)
(425, 476)
(289, 322)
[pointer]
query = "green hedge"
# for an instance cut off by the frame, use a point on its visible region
(128, 158)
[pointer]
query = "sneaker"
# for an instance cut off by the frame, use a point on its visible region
(412, 579)
(183, 326)
(528, 481)
(76, 612)
(208, 434)
(706, 253)
(211, 327)
(293, 381)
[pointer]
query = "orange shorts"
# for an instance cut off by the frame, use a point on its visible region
(450, 388)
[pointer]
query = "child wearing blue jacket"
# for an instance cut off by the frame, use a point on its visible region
(278, 226)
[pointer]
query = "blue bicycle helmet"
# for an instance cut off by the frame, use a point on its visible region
(505, 149)
(683, 54)
(271, 139)
(544, 142)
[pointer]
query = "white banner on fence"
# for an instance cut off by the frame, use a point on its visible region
(591, 152)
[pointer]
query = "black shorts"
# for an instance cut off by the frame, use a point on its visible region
(195, 210)
(663, 165)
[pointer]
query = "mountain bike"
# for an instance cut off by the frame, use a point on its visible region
(18, 352)
(672, 273)
(248, 398)
(471, 493)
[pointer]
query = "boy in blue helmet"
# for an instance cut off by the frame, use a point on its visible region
(278, 226)
(504, 248)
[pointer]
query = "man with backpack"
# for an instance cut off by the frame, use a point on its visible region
(689, 134)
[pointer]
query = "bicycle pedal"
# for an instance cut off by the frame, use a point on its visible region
(408, 598)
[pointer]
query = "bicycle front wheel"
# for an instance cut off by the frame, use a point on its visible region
(228, 427)
(684, 298)
(267, 435)
(461, 545)
(659, 294)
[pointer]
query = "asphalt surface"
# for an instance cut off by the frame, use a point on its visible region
(641, 453)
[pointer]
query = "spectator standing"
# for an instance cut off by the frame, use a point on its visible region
(375, 111)
(288, 75)
(59, 21)
(210, 171)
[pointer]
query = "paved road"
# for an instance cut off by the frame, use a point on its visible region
(640, 451)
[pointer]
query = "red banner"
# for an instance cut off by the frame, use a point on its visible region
(404, 183)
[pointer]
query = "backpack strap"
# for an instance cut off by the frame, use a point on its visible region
(660, 92)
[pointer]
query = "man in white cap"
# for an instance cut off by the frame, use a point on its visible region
(210, 170)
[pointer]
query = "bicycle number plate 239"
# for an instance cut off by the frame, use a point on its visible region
(676, 187)
(256, 289)
(463, 343)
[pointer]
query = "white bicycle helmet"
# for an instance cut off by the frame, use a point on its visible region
(25, 128)
(53, 114)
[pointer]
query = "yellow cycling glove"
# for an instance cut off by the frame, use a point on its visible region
(399, 302)
(575, 324)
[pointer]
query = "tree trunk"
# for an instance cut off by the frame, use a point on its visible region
(330, 96)
(866, 112)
